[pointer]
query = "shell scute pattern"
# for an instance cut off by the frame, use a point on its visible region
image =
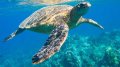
(44, 16)
(32, 19)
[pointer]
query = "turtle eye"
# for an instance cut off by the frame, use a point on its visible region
(83, 5)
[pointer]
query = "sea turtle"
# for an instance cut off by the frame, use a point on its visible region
(56, 20)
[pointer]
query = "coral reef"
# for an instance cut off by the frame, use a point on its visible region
(82, 51)
(78, 51)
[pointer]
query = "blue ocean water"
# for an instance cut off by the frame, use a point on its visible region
(19, 51)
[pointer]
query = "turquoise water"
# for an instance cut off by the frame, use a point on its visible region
(86, 45)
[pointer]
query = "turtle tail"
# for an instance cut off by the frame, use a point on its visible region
(18, 31)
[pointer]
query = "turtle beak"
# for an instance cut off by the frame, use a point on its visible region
(88, 4)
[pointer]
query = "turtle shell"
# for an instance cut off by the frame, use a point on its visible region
(44, 16)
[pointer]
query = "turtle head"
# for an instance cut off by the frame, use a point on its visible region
(79, 10)
(82, 8)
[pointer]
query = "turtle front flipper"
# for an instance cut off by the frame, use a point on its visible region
(90, 21)
(52, 45)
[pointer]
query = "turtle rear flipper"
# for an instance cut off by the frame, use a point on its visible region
(52, 45)
(18, 31)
